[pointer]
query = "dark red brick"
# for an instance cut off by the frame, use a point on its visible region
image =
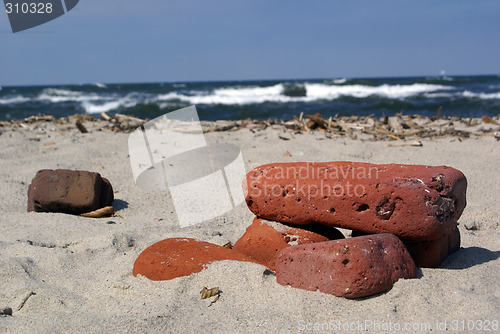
(431, 253)
(68, 191)
(351, 268)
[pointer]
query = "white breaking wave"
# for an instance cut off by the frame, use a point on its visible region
(55, 95)
(237, 95)
(93, 108)
(100, 85)
(13, 100)
(484, 96)
(105, 100)
(320, 91)
(242, 95)
(466, 94)
(314, 91)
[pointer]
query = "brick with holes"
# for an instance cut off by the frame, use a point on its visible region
(264, 239)
(411, 201)
(350, 268)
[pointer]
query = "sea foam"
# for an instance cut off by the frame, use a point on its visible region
(314, 91)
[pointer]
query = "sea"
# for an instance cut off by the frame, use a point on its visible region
(463, 96)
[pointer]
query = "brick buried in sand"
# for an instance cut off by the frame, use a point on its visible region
(264, 239)
(411, 201)
(350, 268)
(431, 253)
(177, 257)
(68, 191)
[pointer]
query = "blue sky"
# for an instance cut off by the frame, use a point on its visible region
(115, 41)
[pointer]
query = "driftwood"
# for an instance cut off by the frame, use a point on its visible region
(488, 120)
(398, 127)
(81, 127)
(413, 143)
(207, 293)
(99, 213)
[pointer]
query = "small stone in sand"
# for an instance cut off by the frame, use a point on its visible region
(5, 311)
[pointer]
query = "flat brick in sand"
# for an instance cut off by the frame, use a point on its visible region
(413, 202)
(177, 257)
(68, 191)
(351, 268)
(264, 239)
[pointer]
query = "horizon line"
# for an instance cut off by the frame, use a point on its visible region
(253, 80)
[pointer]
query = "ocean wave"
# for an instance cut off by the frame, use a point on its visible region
(314, 92)
(320, 91)
(56, 95)
(465, 94)
(228, 96)
(483, 96)
(97, 108)
(14, 100)
(96, 100)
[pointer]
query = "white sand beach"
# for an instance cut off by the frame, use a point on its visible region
(63, 273)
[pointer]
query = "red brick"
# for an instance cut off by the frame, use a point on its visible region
(413, 202)
(68, 191)
(350, 268)
(264, 239)
(177, 257)
(430, 253)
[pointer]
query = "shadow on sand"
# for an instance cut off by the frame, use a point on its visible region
(119, 204)
(469, 257)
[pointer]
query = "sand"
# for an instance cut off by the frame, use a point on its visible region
(64, 273)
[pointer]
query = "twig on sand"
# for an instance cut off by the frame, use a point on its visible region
(99, 213)
(81, 127)
(25, 298)
(413, 143)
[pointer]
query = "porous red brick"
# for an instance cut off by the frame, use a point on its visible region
(264, 239)
(177, 257)
(68, 191)
(411, 201)
(351, 268)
